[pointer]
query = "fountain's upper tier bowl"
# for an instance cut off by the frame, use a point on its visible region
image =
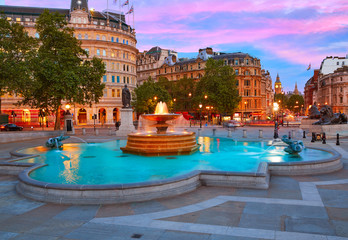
(161, 117)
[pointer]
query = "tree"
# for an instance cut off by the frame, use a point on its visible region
(219, 86)
(183, 93)
(16, 51)
(61, 71)
(295, 103)
(146, 96)
(281, 99)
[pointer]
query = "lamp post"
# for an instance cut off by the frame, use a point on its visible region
(243, 115)
(275, 109)
(200, 115)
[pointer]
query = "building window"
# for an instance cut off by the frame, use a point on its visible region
(87, 50)
(255, 93)
(341, 99)
(86, 36)
(79, 36)
(98, 37)
(104, 78)
(127, 79)
(123, 41)
(236, 62)
(246, 73)
(255, 71)
(247, 61)
(27, 19)
(246, 82)
(118, 93)
(237, 82)
(338, 63)
(98, 52)
(246, 92)
(18, 19)
(103, 38)
(255, 83)
(112, 39)
(117, 40)
(256, 104)
(113, 79)
(127, 42)
(342, 63)
(104, 52)
(118, 79)
(105, 92)
(113, 93)
(95, 22)
(191, 75)
(237, 71)
(124, 79)
(199, 65)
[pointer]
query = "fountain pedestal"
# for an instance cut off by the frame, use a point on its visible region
(127, 125)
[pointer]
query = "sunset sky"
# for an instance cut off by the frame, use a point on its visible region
(287, 35)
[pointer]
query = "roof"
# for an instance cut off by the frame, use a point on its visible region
(30, 10)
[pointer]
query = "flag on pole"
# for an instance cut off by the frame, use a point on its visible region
(125, 3)
(131, 10)
(309, 67)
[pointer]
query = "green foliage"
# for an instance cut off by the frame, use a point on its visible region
(143, 97)
(16, 52)
(60, 72)
(281, 99)
(295, 103)
(220, 86)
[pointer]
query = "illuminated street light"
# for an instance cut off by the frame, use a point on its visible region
(200, 115)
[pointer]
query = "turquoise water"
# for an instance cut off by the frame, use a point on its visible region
(104, 163)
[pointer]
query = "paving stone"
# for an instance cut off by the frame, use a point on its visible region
(19, 225)
(223, 237)
(114, 210)
(281, 183)
(343, 187)
(334, 198)
(309, 225)
(79, 213)
(257, 221)
(33, 237)
(174, 235)
(20, 207)
(272, 210)
(251, 192)
(56, 227)
(7, 235)
(341, 228)
(147, 207)
(340, 214)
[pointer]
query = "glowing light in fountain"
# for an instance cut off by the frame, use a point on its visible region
(161, 108)
(163, 143)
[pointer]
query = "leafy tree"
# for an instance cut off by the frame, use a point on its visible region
(219, 86)
(16, 52)
(146, 96)
(295, 103)
(281, 99)
(61, 71)
(183, 93)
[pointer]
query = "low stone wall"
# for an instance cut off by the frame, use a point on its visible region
(13, 136)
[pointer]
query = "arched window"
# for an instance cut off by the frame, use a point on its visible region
(104, 53)
(98, 37)
(117, 40)
(79, 36)
(103, 38)
(112, 39)
(86, 36)
(79, 20)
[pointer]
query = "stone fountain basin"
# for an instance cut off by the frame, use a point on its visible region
(161, 117)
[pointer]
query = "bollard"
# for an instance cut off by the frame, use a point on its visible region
(199, 132)
(96, 131)
(292, 133)
(214, 131)
(260, 133)
(83, 131)
(110, 131)
(229, 133)
(313, 137)
(289, 135)
(324, 138)
(304, 134)
(338, 139)
(244, 133)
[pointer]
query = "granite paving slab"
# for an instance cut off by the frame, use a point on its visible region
(334, 198)
(174, 235)
(56, 227)
(79, 213)
(309, 225)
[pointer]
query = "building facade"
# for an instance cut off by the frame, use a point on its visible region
(149, 61)
(253, 83)
(102, 34)
(310, 90)
(333, 90)
(330, 64)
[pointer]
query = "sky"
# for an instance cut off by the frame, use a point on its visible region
(286, 35)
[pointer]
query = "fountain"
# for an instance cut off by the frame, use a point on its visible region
(161, 142)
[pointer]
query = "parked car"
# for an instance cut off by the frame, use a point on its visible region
(10, 127)
(232, 124)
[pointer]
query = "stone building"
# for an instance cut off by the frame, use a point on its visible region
(149, 61)
(310, 90)
(250, 79)
(333, 90)
(102, 34)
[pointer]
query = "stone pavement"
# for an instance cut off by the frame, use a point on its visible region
(301, 207)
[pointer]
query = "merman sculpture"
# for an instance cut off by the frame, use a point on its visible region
(56, 142)
(294, 146)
